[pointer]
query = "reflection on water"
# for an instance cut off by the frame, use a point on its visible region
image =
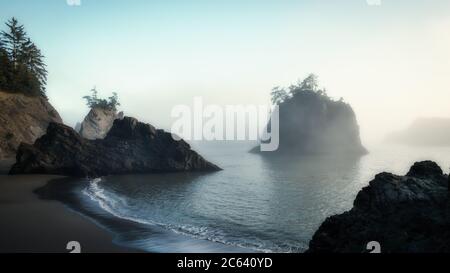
(256, 203)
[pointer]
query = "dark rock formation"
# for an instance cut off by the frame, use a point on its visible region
(313, 123)
(23, 119)
(424, 132)
(98, 122)
(403, 213)
(129, 147)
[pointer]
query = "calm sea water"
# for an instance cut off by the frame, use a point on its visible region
(255, 204)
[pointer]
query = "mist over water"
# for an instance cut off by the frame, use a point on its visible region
(255, 204)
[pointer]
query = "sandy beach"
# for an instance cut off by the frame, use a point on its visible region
(32, 225)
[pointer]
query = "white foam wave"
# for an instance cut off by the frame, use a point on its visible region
(117, 205)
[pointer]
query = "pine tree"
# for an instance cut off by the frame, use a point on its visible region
(23, 68)
(6, 70)
(4, 62)
(278, 95)
(310, 83)
(25, 81)
(32, 58)
(13, 39)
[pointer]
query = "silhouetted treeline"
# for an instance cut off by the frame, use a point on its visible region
(280, 95)
(22, 68)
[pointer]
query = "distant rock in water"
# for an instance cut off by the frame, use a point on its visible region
(129, 147)
(424, 132)
(23, 119)
(408, 213)
(98, 122)
(313, 123)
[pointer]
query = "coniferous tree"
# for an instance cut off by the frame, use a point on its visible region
(22, 63)
(32, 58)
(4, 62)
(309, 85)
(26, 81)
(278, 95)
(14, 38)
(6, 71)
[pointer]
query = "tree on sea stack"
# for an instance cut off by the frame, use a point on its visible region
(310, 83)
(94, 101)
(279, 95)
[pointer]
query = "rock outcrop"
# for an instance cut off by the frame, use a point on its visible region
(98, 122)
(129, 147)
(403, 213)
(312, 123)
(23, 119)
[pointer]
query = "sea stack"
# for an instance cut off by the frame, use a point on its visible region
(129, 147)
(98, 122)
(310, 122)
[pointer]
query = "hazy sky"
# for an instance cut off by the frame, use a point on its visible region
(391, 62)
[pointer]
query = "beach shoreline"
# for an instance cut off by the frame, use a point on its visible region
(30, 224)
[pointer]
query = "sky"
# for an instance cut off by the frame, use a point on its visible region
(391, 61)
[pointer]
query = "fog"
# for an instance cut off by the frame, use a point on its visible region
(390, 62)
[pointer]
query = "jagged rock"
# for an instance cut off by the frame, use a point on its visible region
(425, 169)
(23, 119)
(129, 147)
(98, 122)
(312, 123)
(403, 213)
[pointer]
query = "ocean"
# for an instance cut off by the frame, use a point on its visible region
(256, 204)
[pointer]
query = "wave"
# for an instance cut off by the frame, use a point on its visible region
(117, 205)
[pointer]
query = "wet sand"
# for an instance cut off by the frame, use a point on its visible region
(33, 225)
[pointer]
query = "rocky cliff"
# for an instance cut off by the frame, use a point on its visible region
(98, 122)
(129, 147)
(312, 123)
(408, 213)
(23, 119)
